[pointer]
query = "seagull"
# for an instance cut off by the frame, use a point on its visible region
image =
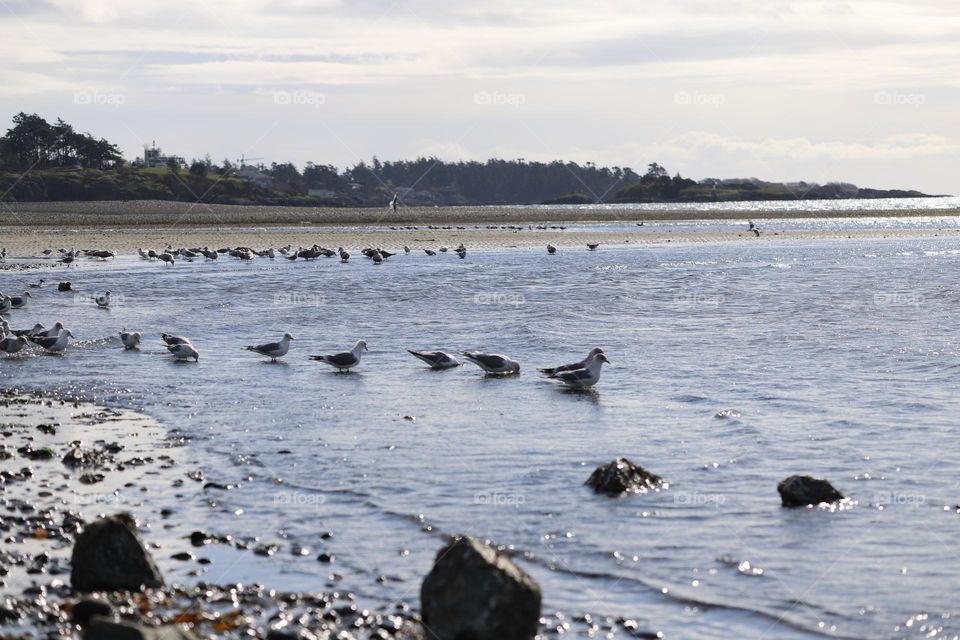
(593, 247)
(344, 255)
(12, 344)
(174, 340)
(66, 259)
(551, 249)
(103, 301)
(273, 350)
(751, 226)
(493, 363)
(5, 305)
(430, 252)
(130, 340)
(19, 302)
(346, 360)
(583, 364)
(184, 351)
(53, 344)
(406, 249)
(756, 231)
(36, 285)
(583, 378)
(39, 332)
(166, 257)
(438, 360)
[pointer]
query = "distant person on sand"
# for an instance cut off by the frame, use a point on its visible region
(395, 202)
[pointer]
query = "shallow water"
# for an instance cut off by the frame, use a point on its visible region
(838, 359)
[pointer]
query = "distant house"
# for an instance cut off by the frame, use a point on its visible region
(153, 157)
(248, 173)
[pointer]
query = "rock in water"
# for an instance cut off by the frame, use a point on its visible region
(109, 555)
(476, 592)
(622, 475)
(85, 610)
(801, 491)
(102, 629)
(64, 286)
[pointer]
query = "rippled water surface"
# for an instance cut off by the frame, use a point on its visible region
(734, 365)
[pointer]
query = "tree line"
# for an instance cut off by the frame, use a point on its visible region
(34, 143)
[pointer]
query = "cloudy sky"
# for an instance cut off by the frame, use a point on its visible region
(865, 92)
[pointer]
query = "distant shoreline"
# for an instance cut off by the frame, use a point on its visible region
(170, 214)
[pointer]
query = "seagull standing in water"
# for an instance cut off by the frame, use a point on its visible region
(103, 301)
(174, 340)
(493, 363)
(437, 360)
(552, 371)
(273, 350)
(19, 302)
(12, 344)
(130, 340)
(346, 360)
(583, 378)
(54, 344)
(184, 351)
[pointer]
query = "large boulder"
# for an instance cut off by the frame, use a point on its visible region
(475, 592)
(802, 491)
(104, 629)
(109, 555)
(620, 476)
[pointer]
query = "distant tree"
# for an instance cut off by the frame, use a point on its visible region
(198, 169)
(655, 171)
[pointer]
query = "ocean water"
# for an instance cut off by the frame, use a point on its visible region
(734, 365)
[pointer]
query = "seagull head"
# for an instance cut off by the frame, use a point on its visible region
(361, 346)
(287, 336)
(601, 358)
(596, 351)
(69, 333)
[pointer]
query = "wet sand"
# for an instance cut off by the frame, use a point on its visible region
(66, 462)
(156, 213)
(28, 229)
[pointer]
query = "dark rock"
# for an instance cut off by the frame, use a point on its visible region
(102, 629)
(473, 591)
(620, 476)
(64, 286)
(84, 610)
(325, 557)
(109, 554)
(82, 457)
(801, 491)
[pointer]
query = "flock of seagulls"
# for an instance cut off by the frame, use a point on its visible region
(579, 375)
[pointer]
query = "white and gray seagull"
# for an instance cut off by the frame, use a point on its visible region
(53, 344)
(583, 364)
(130, 340)
(273, 350)
(493, 363)
(103, 301)
(346, 360)
(184, 351)
(438, 360)
(19, 302)
(12, 344)
(583, 378)
(171, 340)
